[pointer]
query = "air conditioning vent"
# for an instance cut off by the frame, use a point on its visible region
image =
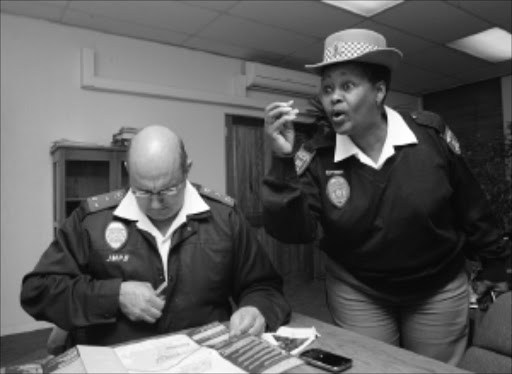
(273, 79)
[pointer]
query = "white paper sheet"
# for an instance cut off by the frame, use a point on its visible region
(173, 354)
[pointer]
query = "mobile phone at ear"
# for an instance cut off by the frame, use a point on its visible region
(326, 360)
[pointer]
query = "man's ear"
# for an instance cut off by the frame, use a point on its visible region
(189, 165)
(125, 164)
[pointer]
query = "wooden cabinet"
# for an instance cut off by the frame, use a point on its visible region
(81, 171)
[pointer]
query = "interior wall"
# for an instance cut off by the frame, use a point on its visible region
(478, 115)
(42, 101)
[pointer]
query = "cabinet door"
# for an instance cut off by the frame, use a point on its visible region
(119, 170)
(81, 172)
(85, 178)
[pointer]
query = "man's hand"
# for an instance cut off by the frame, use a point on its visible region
(139, 302)
(279, 126)
(246, 320)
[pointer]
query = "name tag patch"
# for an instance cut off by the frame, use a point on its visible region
(114, 257)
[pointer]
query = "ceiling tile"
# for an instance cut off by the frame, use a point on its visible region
(405, 88)
(495, 70)
(311, 18)
(438, 85)
(312, 53)
(220, 6)
(445, 60)
(123, 28)
(406, 43)
(291, 34)
(295, 63)
(250, 34)
(172, 15)
(229, 50)
(415, 77)
(495, 11)
(436, 21)
(51, 11)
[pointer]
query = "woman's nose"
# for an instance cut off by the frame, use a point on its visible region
(336, 96)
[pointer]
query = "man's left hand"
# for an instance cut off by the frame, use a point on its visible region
(247, 319)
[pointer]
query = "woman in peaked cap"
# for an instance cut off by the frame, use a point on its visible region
(398, 208)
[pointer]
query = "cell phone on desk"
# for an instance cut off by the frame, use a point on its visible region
(326, 360)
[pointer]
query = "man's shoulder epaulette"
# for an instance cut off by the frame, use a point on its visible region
(430, 119)
(208, 192)
(104, 201)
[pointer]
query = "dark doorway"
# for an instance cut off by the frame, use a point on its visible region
(248, 158)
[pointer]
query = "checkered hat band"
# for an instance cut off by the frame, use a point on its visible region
(347, 50)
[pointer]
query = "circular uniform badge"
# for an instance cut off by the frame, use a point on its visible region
(116, 234)
(338, 190)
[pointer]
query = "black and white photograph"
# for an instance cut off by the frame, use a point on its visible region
(256, 186)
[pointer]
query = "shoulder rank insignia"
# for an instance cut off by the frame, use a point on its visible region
(302, 159)
(427, 118)
(216, 196)
(105, 200)
(452, 141)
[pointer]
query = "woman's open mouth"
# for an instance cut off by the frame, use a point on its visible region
(338, 115)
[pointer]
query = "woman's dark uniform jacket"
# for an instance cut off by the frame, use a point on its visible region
(213, 257)
(406, 227)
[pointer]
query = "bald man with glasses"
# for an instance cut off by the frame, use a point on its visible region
(163, 256)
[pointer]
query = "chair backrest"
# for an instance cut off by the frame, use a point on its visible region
(491, 351)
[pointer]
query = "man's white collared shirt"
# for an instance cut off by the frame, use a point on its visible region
(398, 133)
(129, 209)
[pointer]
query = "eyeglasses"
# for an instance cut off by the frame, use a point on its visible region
(168, 192)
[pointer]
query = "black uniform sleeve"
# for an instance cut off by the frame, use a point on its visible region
(255, 280)
(484, 238)
(58, 290)
(291, 204)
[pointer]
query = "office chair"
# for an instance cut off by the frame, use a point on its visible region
(491, 349)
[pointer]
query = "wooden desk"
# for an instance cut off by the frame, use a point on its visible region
(368, 355)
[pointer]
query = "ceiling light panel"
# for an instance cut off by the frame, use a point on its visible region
(365, 8)
(493, 45)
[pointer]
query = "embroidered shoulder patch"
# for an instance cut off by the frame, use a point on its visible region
(216, 196)
(105, 201)
(452, 141)
(302, 159)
